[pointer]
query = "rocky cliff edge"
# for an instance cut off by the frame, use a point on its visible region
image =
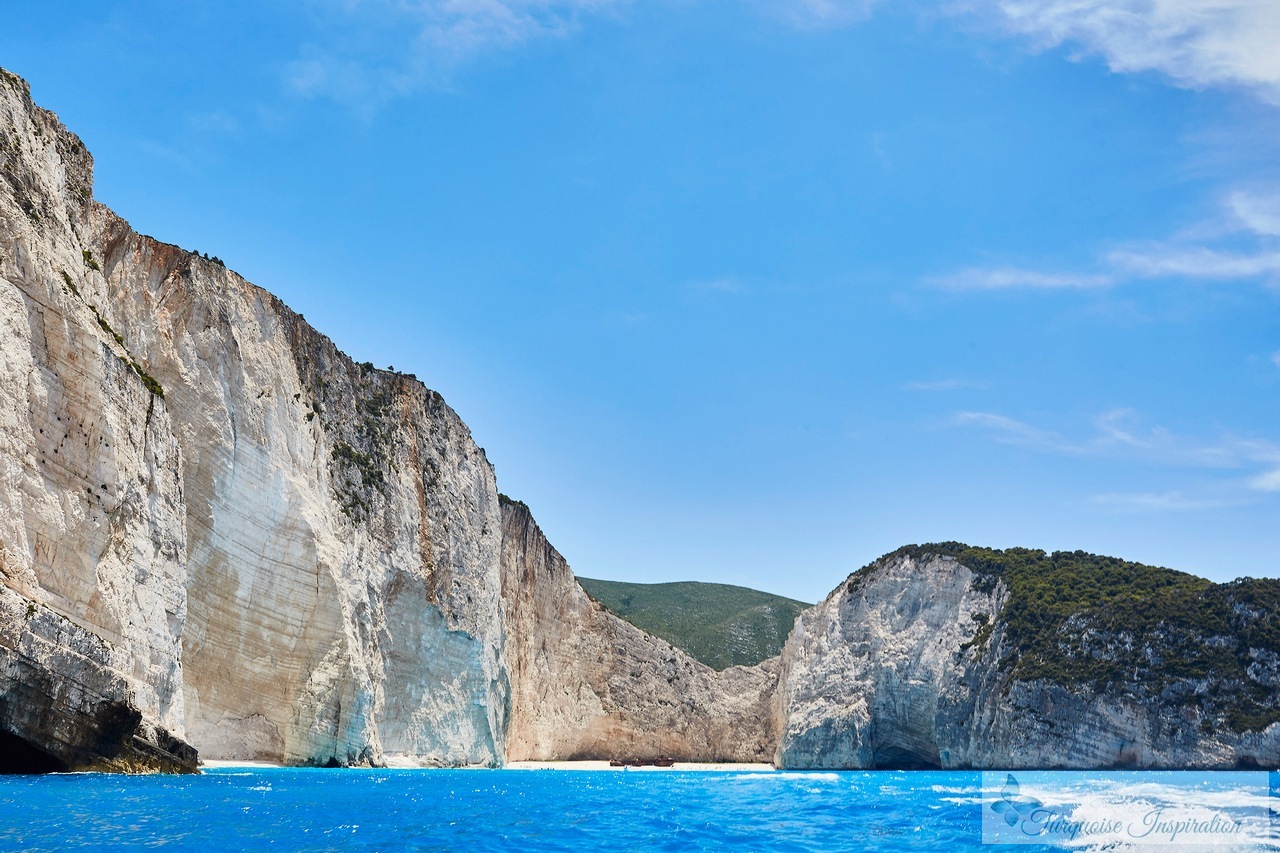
(957, 657)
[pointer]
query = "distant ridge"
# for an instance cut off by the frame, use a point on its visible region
(719, 624)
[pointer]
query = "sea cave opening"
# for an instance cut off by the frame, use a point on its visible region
(18, 755)
(895, 757)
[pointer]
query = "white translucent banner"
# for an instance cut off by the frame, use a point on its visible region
(1118, 810)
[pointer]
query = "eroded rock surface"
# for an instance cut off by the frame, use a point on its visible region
(921, 661)
(92, 511)
(586, 684)
(288, 556)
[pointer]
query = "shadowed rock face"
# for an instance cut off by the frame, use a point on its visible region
(586, 684)
(65, 706)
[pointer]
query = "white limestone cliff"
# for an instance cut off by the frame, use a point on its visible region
(289, 556)
(261, 547)
(93, 544)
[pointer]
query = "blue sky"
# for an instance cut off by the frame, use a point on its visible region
(751, 291)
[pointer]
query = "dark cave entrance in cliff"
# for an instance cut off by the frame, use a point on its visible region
(20, 756)
(894, 757)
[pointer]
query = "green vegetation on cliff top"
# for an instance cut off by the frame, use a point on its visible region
(1083, 620)
(718, 624)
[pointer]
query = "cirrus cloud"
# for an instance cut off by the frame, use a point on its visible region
(1245, 466)
(1245, 249)
(1008, 277)
(383, 48)
(1195, 43)
(366, 51)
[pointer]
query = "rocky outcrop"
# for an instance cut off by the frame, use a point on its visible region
(586, 684)
(946, 656)
(216, 523)
(71, 696)
(870, 674)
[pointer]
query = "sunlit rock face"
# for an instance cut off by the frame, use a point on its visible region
(343, 531)
(245, 542)
(911, 664)
(269, 551)
(870, 673)
(93, 546)
(586, 684)
(283, 555)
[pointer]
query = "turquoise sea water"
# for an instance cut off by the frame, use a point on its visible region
(296, 809)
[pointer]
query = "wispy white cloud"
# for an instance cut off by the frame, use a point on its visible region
(1257, 212)
(1006, 278)
(1014, 431)
(945, 385)
(1164, 260)
(1267, 482)
(1119, 435)
(418, 43)
(1159, 501)
(1195, 43)
(1244, 248)
(1275, 358)
(371, 50)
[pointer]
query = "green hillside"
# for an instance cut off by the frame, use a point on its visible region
(718, 624)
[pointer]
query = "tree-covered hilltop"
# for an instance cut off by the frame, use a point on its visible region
(1100, 623)
(719, 624)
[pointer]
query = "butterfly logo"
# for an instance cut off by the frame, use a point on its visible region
(1012, 805)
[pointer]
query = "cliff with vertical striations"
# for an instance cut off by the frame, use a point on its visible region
(215, 527)
(218, 531)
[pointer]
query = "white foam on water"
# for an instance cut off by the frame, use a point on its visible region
(949, 789)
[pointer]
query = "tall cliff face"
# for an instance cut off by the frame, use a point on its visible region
(949, 656)
(586, 684)
(93, 546)
(218, 530)
(237, 534)
(343, 530)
